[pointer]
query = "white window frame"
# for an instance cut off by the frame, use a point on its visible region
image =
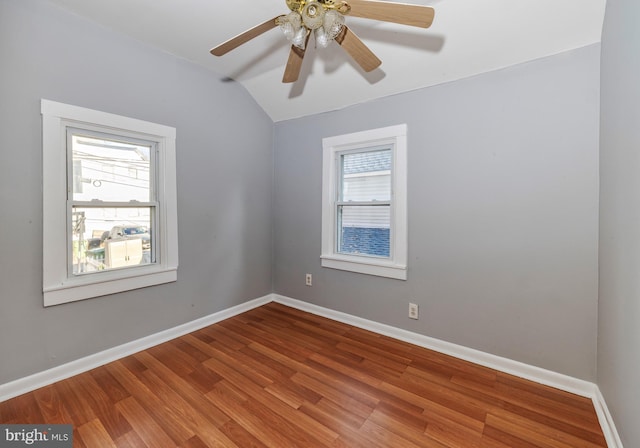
(394, 137)
(59, 286)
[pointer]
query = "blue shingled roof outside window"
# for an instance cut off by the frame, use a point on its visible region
(366, 162)
(368, 241)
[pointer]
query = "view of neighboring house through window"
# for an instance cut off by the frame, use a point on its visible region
(364, 205)
(364, 202)
(112, 201)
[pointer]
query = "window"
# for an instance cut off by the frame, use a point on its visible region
(109, 199)
(364, 203)
(113, 201)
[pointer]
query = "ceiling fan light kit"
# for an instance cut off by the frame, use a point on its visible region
(291, 26)
(326, 19)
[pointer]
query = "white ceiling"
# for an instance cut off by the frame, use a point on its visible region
(467, 37)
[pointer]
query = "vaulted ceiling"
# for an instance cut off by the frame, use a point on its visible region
(467, 37)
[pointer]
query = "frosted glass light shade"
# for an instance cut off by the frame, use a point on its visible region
(322, 39)
(313, 15)
(291, 26)
(332, 24)
(299, 39)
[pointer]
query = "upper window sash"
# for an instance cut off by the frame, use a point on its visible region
(89, 138)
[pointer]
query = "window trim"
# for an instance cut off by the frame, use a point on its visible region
(60, 287)
(396, 265)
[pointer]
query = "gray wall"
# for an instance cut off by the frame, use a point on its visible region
(224, 184)
(619, 310)
(503, 212)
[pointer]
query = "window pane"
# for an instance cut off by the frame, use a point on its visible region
(110, 170)
(364, 230)
(108, 238)
(366, 176)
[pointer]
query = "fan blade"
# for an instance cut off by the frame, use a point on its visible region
(245, 37)
(357, 50)
(403, 13)
(294, 64)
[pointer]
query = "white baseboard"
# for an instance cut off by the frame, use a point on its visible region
(50, 376)
(537, 374)
(606, 421)
(516, 368)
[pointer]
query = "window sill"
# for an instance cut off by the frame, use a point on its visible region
(81, 288)
(369, 267)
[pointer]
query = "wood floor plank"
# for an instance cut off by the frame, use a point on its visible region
(360, 405)
(450, 398)
(196, 421)
(144, 425)
(563, 411)
(226, 337)
(551, 436)
(94, 434)
(129, 440)
(332, 415)
(406, 428)
(240, 436)
(278, 377)
(51, 406)
(410, 419)
(287, 347)
(101, 405)
(303, 318)
(382, 437)
(259, 395)
(268, 362)
(260, 373)
(273, 436)
(203, 379)
(545, 391)
(173, 358)
(489, 442)
(114, 390)
(75, 403)
(589, 433)
(163, 411)
(194, 442)
(196, 401)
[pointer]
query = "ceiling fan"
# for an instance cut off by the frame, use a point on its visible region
(326, 19)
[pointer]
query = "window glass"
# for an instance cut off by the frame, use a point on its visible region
(364, 230)
(109, 173)
(109, 170)
(99, 232)
(363, 208)
(366, 176)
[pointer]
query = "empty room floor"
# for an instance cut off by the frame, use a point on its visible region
(279, 377)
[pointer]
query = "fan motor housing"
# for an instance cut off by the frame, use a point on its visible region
(297, 5)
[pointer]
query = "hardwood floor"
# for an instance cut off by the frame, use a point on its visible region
(278, 377)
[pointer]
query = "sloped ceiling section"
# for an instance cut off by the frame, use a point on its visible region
(468, 37)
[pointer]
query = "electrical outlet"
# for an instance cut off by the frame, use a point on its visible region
(308, 280)
(413, 311)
